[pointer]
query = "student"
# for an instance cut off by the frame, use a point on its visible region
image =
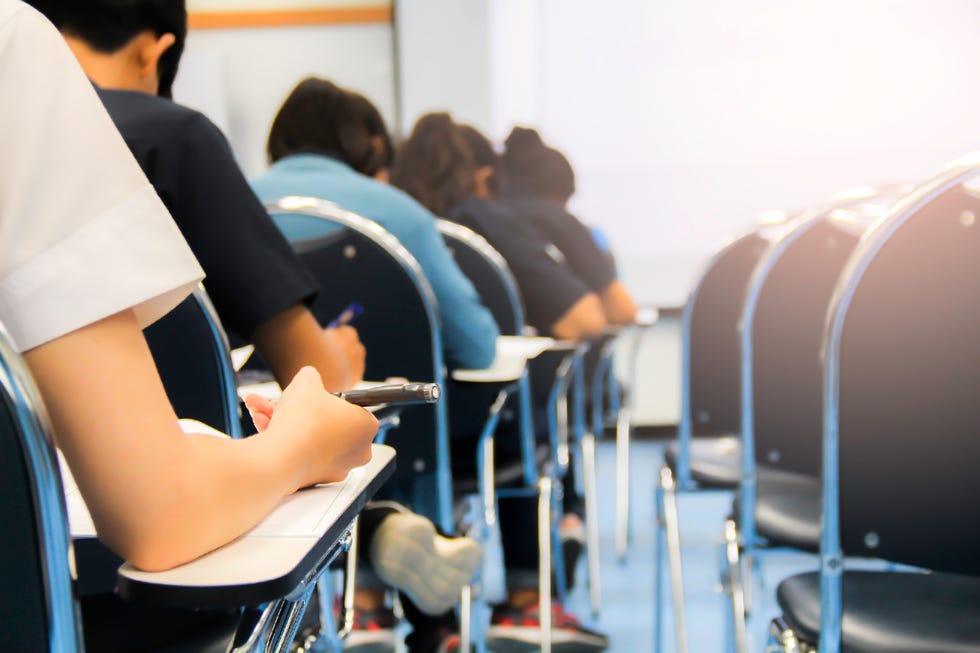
(329, 143)
(536, 183)
(259, 287)
(436, 166)
(89, 256)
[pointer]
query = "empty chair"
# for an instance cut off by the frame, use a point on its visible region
(900, 424)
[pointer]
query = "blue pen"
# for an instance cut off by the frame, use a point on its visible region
(352, 311)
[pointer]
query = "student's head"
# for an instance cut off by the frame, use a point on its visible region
(146, 37)
(435, 165)
(532, 169)
(319, 117)
(486, 178)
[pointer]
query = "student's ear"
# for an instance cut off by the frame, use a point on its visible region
(482, 184)
(151, 49)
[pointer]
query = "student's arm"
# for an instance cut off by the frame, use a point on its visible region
(618, 304)
(158, 497)
(585, 319)
(294, 338)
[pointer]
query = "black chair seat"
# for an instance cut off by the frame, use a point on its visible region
(891, 612)
(715, 462)
(787, 509)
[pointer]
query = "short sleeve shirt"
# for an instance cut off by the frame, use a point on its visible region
(548, 285)
(82, 234)
(252, 272)
(572, 237)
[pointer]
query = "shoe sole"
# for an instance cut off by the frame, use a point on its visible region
(408, 554)
(383, 643)
(526, 640)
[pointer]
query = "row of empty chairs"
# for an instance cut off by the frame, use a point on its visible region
(829, 381)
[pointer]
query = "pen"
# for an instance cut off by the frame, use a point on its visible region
(352, 311)
(409, 393)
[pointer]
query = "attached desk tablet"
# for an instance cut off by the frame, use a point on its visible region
(277, 558)
(513, 353)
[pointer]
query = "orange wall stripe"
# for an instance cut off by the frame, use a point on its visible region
(335, 16)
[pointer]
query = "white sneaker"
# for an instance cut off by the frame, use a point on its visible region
(409, 555)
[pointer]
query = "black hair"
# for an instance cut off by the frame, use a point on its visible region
(435, 165)
(532, 169)
(108, 25)
(319, 117)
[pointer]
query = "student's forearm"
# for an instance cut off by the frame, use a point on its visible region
(585, 319)
(293, 339)
(618, 304)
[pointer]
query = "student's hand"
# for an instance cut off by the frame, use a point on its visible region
(347, 344)
(260, 409)
(331, 435)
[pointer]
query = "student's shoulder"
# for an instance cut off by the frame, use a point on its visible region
(396, 203)
(149, 117)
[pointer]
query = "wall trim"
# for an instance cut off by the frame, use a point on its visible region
(289, 18)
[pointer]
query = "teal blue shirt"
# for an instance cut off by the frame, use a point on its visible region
(468, 331)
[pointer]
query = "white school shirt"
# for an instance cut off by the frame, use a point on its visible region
(83, 234)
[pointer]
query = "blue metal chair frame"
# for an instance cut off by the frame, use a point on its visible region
(54, 540)
(831, 556)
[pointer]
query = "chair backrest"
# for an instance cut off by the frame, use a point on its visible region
(902, 399)
(486, 268)
(790, 294)
(37, 605)
(710, 369)
(358, 260)
(191, 352)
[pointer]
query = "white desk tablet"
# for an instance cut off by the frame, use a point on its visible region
(513, 353)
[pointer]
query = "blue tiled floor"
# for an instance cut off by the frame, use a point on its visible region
(628, 588)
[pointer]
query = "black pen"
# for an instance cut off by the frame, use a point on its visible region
(408, 393)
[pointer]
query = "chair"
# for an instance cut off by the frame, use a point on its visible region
(488, 271)
(900, 443)
(706, 454)
(191, 353)
(777, 505)
(380, 274)
(36, 554)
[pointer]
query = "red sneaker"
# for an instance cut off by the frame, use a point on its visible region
(514, 630)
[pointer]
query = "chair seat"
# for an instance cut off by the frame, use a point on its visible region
(715, 462)
(891, 612)
(787, 510)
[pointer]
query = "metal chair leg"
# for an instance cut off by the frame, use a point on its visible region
(674, 556)
(544, 566)
(465, 619)
(736, 586)
(623, 483)
(659, 551)
(592, 521)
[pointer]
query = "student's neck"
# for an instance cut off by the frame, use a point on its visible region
(111, 71)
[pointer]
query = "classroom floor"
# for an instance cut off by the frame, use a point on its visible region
(627, 589)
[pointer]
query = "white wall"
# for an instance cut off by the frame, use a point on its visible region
(444, 54)
(249, 72)
(686, 118)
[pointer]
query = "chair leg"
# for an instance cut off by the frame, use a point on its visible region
(544, 565)
(736, 586)
(592, 522)
(623, 483)
(672, 527)
(659, 551)
(782, 638)
(465, 619)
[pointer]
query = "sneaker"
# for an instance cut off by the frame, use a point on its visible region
(514, 630)
(374, 632)
(408, 554)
